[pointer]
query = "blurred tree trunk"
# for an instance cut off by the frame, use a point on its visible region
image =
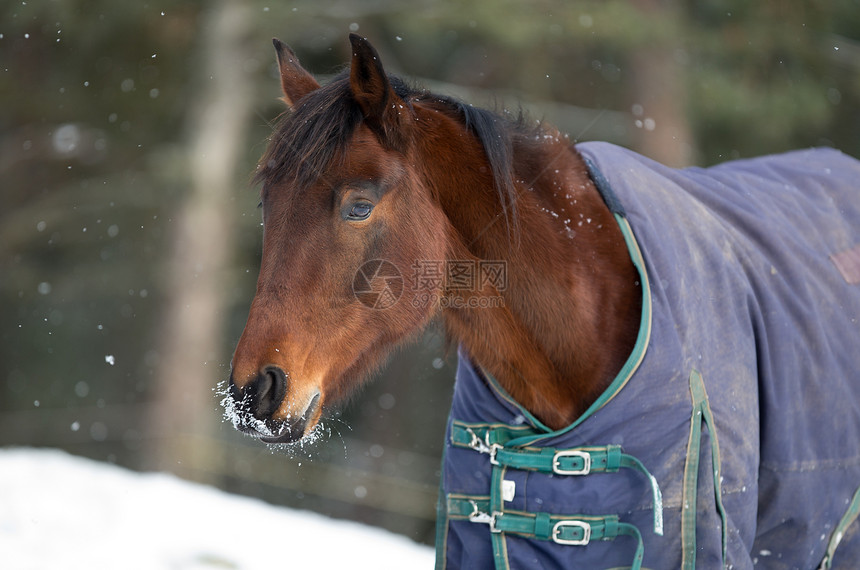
(658, 89)
(184, 404)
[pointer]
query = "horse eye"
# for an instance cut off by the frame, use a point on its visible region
(360, 211)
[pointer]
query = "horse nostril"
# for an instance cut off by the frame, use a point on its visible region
(264, 394)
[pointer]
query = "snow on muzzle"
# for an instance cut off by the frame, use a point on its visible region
(253, 409)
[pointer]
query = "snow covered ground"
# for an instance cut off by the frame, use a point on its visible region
(61, 511)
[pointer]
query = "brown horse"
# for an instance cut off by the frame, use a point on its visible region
(367, 168)
(690, 330)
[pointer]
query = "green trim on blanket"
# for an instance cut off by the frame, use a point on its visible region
(644, 336)
(497, 504)
(701, 414)
(442, 517)
(839, 532)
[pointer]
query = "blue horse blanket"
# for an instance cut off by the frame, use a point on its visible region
(731, 438)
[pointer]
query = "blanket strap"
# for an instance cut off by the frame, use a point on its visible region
(572, 530)
(701, 415)
(574, 461)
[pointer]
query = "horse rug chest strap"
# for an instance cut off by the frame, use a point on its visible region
(572, 530)
(508, 447)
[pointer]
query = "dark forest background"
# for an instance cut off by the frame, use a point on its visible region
(130, 237)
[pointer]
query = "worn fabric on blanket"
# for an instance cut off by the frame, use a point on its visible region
(741, 397)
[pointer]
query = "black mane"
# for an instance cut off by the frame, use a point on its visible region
(307, 141)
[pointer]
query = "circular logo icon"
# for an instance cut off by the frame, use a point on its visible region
(377, 284)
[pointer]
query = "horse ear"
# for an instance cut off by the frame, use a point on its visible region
(296, 82)
(367, 79)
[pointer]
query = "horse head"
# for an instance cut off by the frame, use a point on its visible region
(345, 217)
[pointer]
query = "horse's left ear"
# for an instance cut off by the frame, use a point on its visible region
(367, 78)
(296, 82)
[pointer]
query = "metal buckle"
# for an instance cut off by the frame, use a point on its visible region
(493, 519)
(477, 443)
(479, 516)
(556, 530)
(494, 448)
(484, 445)
(584, 455)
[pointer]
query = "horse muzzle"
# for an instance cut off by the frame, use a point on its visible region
(262, 407)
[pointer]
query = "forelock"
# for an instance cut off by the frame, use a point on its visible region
(306, 142)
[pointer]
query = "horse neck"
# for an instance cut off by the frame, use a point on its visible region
(565, 320)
